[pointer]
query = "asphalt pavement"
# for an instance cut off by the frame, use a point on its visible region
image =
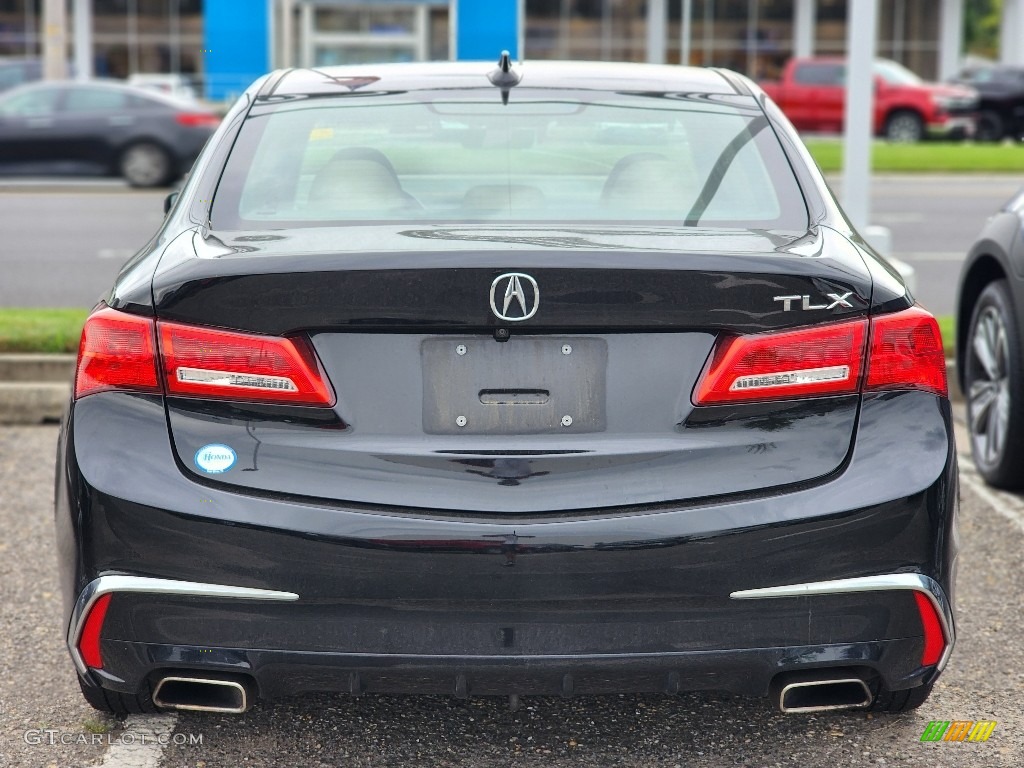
(44, 722)
(63, 242)
(934, 220)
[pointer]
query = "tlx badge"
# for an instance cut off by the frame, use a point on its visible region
(805, 301)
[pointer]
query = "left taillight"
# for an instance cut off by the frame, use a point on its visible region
(227, 365)
(117, 351)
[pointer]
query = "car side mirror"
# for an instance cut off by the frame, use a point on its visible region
(170, 200)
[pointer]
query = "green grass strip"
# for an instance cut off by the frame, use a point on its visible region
(947, 326)
(926, 157)
(40, 330)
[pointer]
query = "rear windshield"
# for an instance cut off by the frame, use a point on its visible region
(678, 159)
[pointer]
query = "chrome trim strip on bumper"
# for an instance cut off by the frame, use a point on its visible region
(915, 582)
(103, 585)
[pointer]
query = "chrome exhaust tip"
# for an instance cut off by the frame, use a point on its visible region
(821, 692)
(202, 694)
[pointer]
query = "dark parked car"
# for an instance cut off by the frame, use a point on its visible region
(990, 358)
(100, 128)
(1001, 106)
(556, 378)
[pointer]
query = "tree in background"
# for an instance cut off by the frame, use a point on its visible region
(981, 27)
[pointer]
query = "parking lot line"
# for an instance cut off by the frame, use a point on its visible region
(141, 744)
(1004, 504)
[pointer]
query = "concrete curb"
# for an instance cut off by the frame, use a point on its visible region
(34, 402)
(34, 389)
(36, 367)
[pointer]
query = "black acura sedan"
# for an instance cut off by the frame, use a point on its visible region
(550, 378)
(100, 128)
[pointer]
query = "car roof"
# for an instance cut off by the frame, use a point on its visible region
(536, 74)
(114, 85)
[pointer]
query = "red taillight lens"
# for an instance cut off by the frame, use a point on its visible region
(197, 120)
(906, 353)
(823, 360)
(89, 642)
(117, 351)
(205, 362)
(934, 639)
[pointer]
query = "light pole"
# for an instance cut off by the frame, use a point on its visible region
(55, 42)
(83, 39)
(861, 36)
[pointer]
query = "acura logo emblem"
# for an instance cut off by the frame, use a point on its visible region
(520, 298)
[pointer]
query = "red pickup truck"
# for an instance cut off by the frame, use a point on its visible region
(812, 92)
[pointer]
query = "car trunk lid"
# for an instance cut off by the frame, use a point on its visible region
(585, 405)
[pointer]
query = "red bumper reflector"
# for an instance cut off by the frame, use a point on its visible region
(934, 640)
(89, 642)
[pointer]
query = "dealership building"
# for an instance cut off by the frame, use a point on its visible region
(226, 43)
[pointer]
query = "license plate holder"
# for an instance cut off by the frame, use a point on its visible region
(524, 386)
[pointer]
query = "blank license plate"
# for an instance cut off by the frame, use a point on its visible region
(526, 385)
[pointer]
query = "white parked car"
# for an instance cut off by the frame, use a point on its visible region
(172, 85)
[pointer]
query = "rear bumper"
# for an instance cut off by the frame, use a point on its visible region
(299, 660)
(610, 601)
(744, 672)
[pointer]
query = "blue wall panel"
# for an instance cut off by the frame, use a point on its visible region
(237, 45)
(485, 28)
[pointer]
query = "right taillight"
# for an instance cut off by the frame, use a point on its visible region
(906, 353)
(807, 362)
(903, 350)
